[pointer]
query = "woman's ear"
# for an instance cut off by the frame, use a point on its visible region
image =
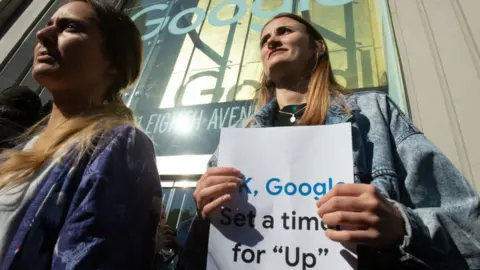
(324, 47)
(321, 48)
(111, 74)
(112, 71)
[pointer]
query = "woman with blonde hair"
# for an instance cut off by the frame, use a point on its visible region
(83, 192)
(409, 207)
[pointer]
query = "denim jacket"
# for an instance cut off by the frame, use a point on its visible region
(440, 208)
(100, 212)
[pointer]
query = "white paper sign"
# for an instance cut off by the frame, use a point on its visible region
(272, 221)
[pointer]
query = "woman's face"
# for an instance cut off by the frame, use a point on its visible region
(69, 55)
(286, 48)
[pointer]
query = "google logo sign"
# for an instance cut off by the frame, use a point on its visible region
(201, 15)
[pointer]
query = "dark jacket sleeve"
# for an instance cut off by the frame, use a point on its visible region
(112, 220)
(196, 248)
(440, 207)
(195, 252)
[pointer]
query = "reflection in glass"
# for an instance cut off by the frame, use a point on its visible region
(183, 124)
(182, 207)
(166, 197)
(217, 61)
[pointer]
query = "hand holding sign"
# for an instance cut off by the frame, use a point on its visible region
(214, 188)
(271, 220)
(371, 219)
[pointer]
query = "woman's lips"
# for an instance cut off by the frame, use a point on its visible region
(272, 52)
(45, 58)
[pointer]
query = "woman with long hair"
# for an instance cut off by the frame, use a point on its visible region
(409, 208)
(83, 191)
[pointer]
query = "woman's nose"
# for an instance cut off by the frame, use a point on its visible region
(47, 36)
(273, 43)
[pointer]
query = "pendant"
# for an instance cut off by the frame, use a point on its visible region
(293, 119)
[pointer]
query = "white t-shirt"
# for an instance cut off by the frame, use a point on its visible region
(15, 199)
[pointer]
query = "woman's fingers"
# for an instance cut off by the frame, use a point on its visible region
(348, 190)
(341, 203)
(365, 237)
(210, 207)
(216, 180)
(215, 176)
(350, 220)
(214, 187)
(208, 194)
(220, 171)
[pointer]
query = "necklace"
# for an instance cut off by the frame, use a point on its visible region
(293, 118)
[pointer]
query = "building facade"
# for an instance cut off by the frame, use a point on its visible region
(202, 68)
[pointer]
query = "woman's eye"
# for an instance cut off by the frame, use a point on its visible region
(263, 42)
(283, 30)
(71, 26)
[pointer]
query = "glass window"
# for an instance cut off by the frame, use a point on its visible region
(202, 67)
(166, 196)
(182, 207)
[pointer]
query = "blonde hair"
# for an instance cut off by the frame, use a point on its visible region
(322, 85)
(83, 129)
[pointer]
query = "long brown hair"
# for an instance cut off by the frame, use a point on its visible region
(122, 46)
(322, 84)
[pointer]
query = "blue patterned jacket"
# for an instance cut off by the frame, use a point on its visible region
(98, 213)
